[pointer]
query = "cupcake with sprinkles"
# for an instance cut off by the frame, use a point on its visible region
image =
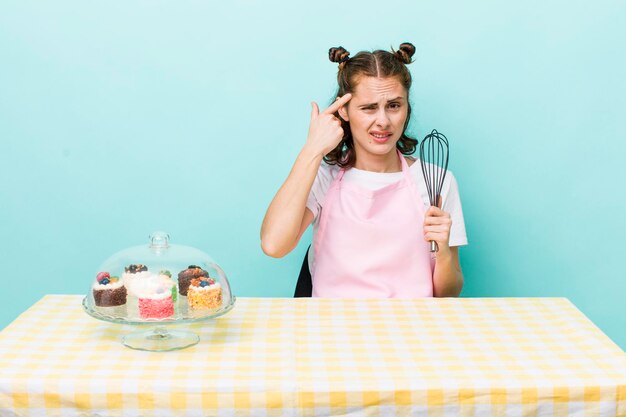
(108, 291)
(204, 293)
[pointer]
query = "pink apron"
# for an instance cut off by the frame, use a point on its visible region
(370, 244)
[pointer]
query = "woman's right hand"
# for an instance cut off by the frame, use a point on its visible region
(325, 131)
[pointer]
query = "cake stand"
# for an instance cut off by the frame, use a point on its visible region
(129, 286)
(159, 338)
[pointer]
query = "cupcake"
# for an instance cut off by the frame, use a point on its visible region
(134, 273)
(108, 291)
(185, 277)
(203, 293)
(154, 298)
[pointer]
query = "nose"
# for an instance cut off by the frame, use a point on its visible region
(382, 118)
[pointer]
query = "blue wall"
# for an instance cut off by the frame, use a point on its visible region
(120, 118)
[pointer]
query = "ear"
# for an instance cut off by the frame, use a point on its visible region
(343, 112)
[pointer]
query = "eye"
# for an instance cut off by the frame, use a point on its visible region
(395, 106)
(368, 108)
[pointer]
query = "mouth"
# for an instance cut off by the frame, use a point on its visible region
(380, 137)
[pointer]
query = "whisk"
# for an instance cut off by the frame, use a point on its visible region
(434, 159)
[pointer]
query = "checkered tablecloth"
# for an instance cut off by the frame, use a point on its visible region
(305, 357)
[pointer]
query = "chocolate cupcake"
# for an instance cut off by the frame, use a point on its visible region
(185, 277)
(108, 291)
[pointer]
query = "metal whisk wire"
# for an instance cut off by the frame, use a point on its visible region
(434, 155)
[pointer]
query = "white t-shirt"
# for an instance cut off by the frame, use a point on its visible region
(376, 180)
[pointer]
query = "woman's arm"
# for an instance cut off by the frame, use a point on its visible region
(447, 276)
(287, 216)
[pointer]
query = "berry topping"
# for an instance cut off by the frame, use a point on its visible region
(202, 282)
(105, 281)
(102, 275)
(134, 268)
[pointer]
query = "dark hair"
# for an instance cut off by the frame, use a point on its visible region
(380, 64)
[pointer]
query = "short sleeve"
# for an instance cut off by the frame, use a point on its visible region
(325, 176)
(452, 205)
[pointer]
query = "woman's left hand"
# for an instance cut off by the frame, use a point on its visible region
(437, 225)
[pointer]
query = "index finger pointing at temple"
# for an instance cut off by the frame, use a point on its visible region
(337, 104)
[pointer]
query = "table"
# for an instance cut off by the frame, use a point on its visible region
(305, 357)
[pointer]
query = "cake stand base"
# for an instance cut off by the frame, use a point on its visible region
(160, 339)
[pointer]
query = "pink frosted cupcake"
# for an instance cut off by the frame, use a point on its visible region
(155, 299)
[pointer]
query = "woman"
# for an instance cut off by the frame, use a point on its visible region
(367, 201)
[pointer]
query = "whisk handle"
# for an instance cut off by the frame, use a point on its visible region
(433, 246)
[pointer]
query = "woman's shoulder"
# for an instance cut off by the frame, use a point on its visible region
(325, 175)
(415, 166)
(327, 171)
(410, 160)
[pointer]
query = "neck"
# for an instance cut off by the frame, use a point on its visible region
(378, 163)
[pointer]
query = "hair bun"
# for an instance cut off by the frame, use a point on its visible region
(338, 54)
(406, 52)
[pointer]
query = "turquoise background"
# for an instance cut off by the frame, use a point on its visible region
(120, 118)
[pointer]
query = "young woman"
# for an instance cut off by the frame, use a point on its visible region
(367, 201)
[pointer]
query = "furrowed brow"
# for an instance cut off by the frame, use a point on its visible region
(399, 98)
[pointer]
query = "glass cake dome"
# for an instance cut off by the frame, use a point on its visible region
(158, 283)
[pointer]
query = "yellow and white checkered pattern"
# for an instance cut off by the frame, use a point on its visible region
(307, 357)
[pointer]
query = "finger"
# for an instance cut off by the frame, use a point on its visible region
(438, 221)
(437, 215)
(338, 103)
(437, 237)
(436, 229)
(435, 211)
(315, 110)
(438, 226)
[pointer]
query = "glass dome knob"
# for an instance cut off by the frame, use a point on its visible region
(159, 240)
